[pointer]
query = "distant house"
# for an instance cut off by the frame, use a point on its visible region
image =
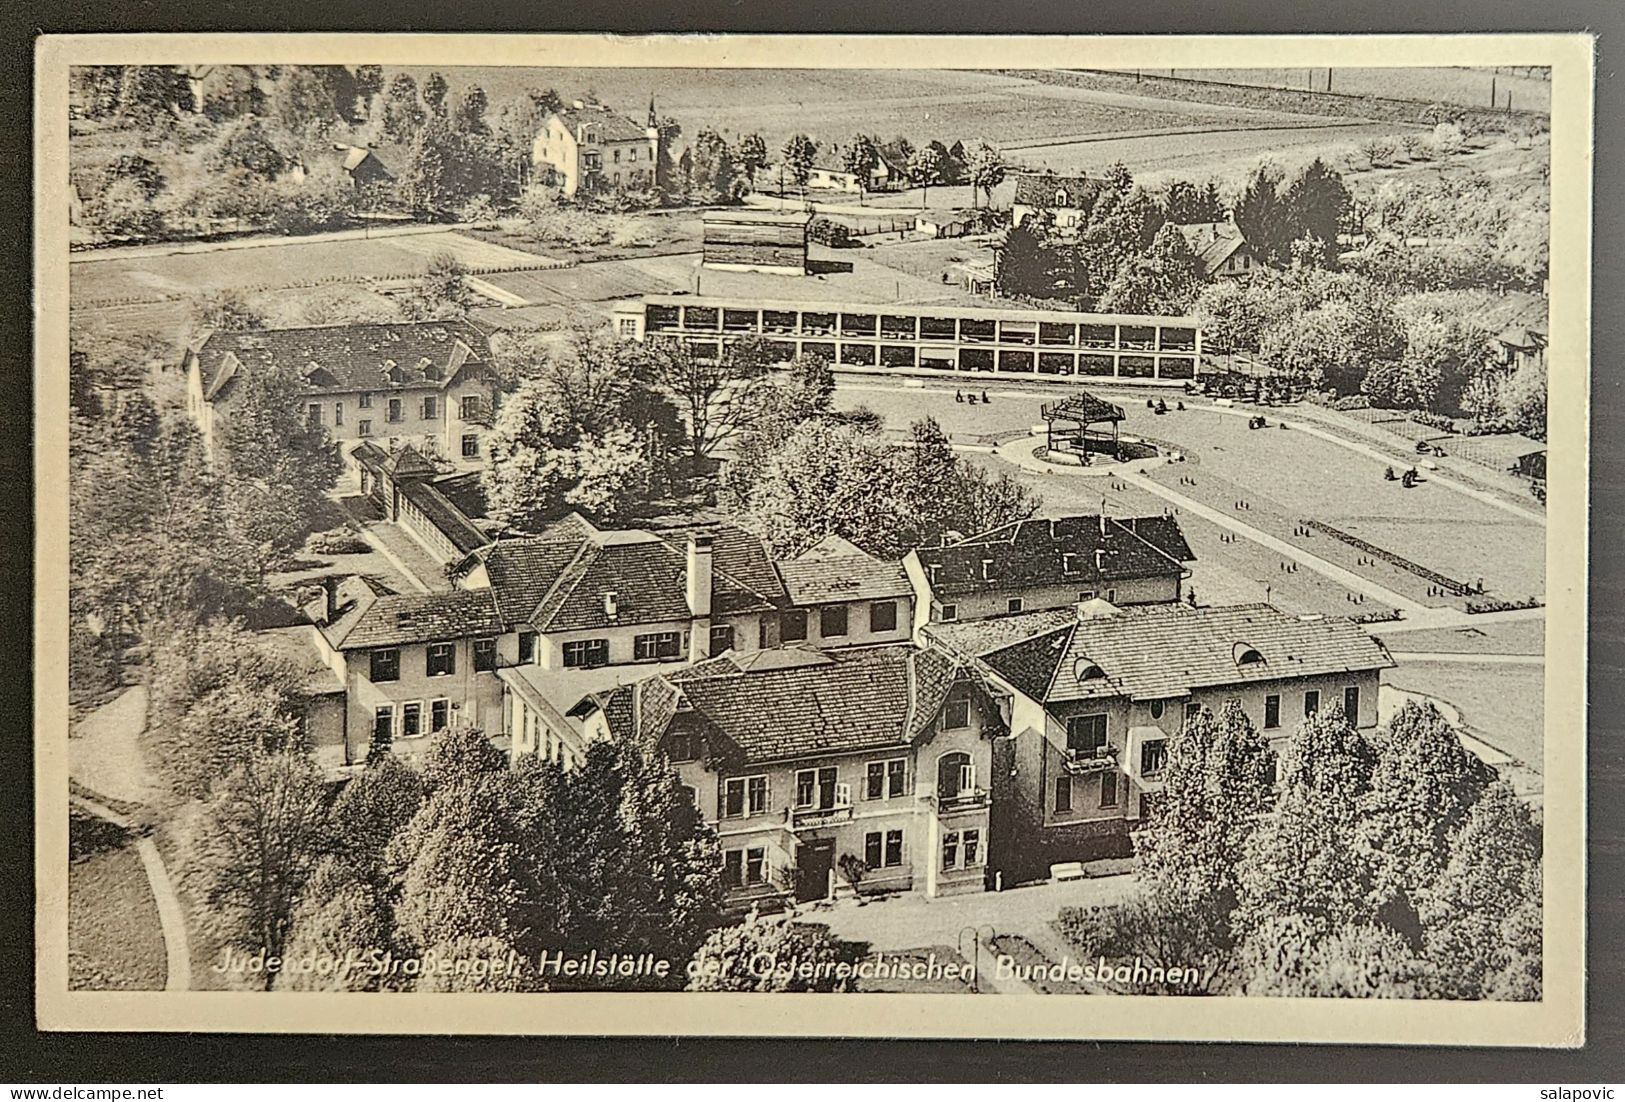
(1220, 249)
(832, 175)
(407, 488)
(840, 595)
(364, 168)
(1049, 563)
(1096, 692)
(1068, 199)
(427, 384)
(587, 146)
(1521, 346)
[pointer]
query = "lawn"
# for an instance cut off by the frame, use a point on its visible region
(1426, 84)
(1503, 705)
(1512, 637)
(115, 942)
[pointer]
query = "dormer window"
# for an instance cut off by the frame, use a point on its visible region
(611, 609)
(1069, 563)
(1060, 197)
(1245, 654)
(431, 371)
(987, 569)
(1085, 670)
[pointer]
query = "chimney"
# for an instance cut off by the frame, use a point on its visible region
(699, 574)
(330, 588)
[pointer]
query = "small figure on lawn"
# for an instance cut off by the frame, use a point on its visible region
(959, 396)
(1389, 474)
(984, 398)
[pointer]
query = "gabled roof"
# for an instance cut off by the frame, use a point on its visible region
(612, 126)
(810, 705)
(366, 618)
(834, 569)
(1163, 651)
(347, 358)
(1075, 550)
(1051, 192)
(1212, 242)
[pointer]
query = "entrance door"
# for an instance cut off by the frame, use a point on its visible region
(814, 861)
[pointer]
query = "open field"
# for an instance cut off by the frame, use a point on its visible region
(1428, 84)
(833, 104)
(1502, 705)
(115, 942)
(1514, 637)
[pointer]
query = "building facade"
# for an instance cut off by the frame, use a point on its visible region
(587, 147)
(841, 596)
(1066, 200)
(903, 339)
(1094, 693)
(1049, 563)
(1221, 250)
(808, 762)
(425, 384)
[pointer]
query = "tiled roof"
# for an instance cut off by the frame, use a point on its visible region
(647, 576)
(612, 126)
(1051, 192)
(348, 357)
(859, 700)
(1212, 242)
(743, 578)
(369, 619)
(971, 638)
(449, 520)
(835, 570)
(1165, 651)
(1032, 553)
(523, 571)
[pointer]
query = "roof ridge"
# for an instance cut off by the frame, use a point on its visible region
(577, 566)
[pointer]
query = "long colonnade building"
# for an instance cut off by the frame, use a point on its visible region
(1130, 347)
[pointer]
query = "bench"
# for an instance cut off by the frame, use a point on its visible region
(1067, 870)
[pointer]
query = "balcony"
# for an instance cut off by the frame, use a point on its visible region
(1090, 761)
(811, 818)
(966, 799)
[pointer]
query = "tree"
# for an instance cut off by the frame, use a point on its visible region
(798, 153)
(369, 83)
(1314, 205)
(310, 98)
(1164, 281)
(256, 841)
(1186, 203)
(469, 115)
(373, 807)
(122, 210)
(435, 91)
(218, 700)
(148, 93)
(752, 155)
(711, 166)
(1285, 958)
(717, 395)
(774, 956)
(437, 175)
(1262, 216)
(441, 292)
(340, 918)
(860, 158)
(1489, 889)
(986, 171)
(1022, 266)
(1423, 786)
(403, 111)
(830, 480)
(925, 170)
(276, 465)
(245, 143)
(225, 311)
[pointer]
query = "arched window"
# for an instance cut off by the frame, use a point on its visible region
(1085, 670)
(1245, 654)
(955, 775)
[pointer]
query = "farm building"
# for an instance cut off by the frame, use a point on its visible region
(1067, 198)
(1220, 249)
(363, 167)
(757, 241)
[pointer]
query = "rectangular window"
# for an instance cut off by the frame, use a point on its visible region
(806, 787)
(755, 865)
(1108, 788)
(383, 722)
(363, 427)
(883, 616)
(657, 646)
(385, 665)
(431, 408)
(586, 653)
(832, 621)
(1153, 757)
(971, 847)
(956, 713)
(682, 746)
(527, 646)
(411, 720)
(756, 795)
(442, 659)
(1191, 709)
(896, 778)
(950, 849)
(894, 848)
(439, 714)
(485, 655)
(1351, 705)
(313, 415)
(873, 853)
(722, 638)
(394, 413)
(793, 625)
(1014, 605)
(1272, 711)
(874, 781)
(1063, 793)
(471, 446)
(469, 407)
(1086, 735)
(1311, 702)
(817, 788)
(733, 868)
(338, 413)
(950, 613)
(364, 400)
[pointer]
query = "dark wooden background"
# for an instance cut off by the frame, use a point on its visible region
(30, 1057)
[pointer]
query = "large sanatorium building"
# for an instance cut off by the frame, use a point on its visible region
(1140, 348)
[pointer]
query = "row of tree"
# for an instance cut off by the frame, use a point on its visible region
(1396, 867)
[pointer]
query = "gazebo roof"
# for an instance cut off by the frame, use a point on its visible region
(1083, 408)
